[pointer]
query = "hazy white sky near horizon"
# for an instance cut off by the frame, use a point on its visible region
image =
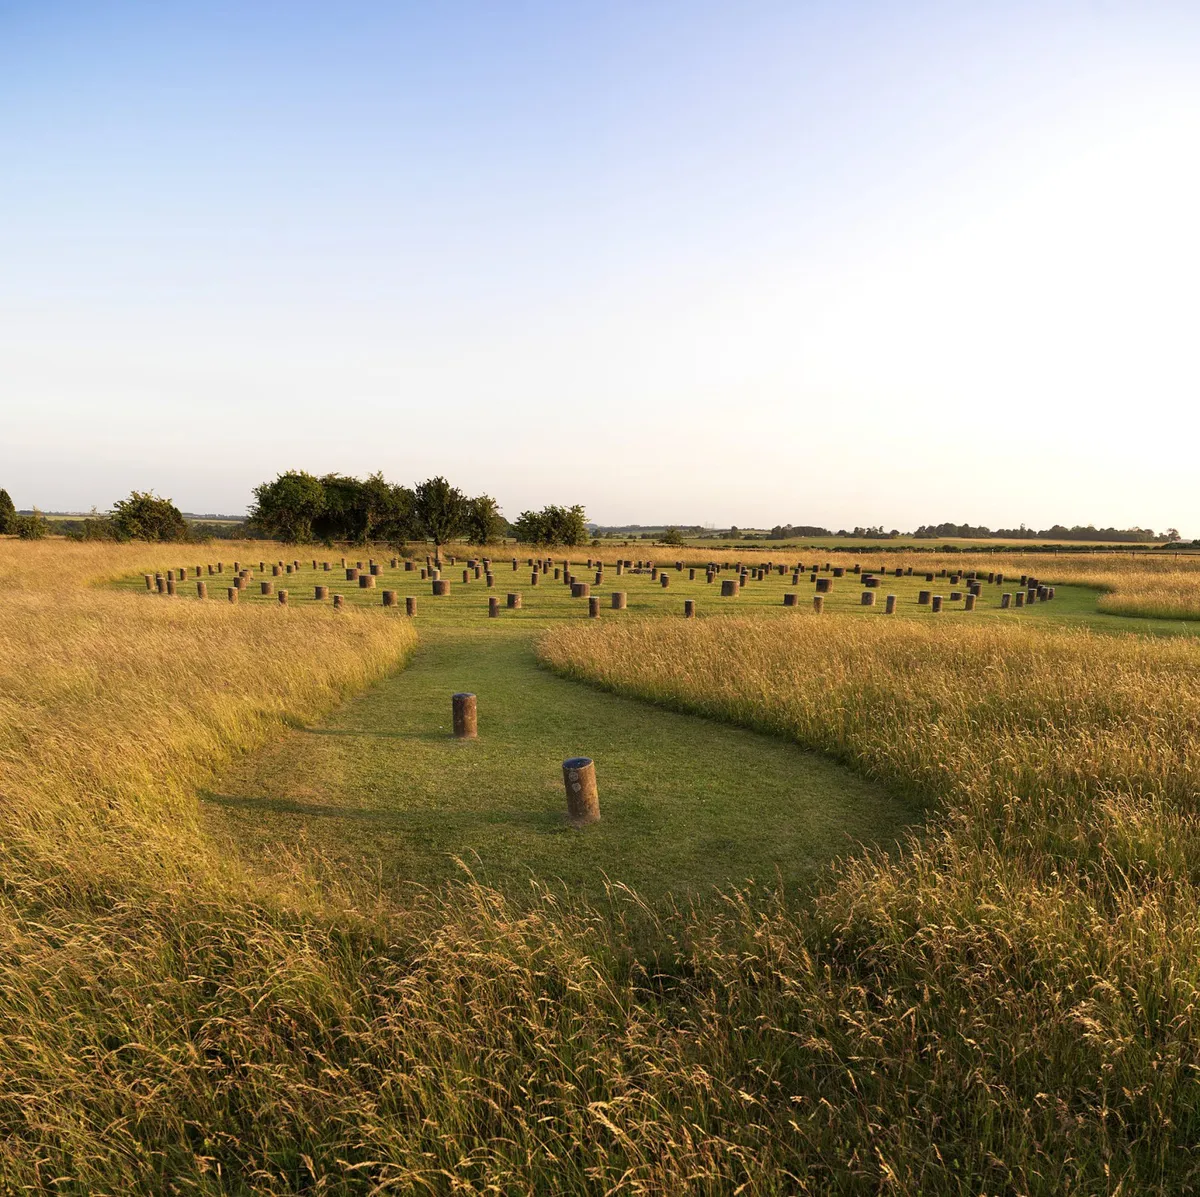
(756, 263)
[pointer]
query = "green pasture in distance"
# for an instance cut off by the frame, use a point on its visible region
(549, 601)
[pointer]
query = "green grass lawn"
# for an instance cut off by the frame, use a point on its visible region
(383, 789)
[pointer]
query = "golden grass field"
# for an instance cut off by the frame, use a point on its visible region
(1007, 1005)
(1024, 981)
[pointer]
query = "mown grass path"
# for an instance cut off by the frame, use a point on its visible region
(686, 804)
(383, 790)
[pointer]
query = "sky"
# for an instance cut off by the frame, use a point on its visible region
(751, 263)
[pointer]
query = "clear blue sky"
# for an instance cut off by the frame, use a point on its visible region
(752, 262)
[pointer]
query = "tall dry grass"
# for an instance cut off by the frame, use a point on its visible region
(115, 708)
(1014, 1003)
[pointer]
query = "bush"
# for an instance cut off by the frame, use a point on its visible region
(32, 527)
(145, 516)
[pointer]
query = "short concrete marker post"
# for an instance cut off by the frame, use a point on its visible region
(410, 605)
(618, 600)
(441, 588)
(583, 800)
(338, 601)
(790, 599)
(267, 587)
(232, 594)
(969, 604)
(389, 598)
(868, 598)
(493, 607)
(818, 603)
(283, 598)
(889, 606)
(935, 604)
(729, 588)
(513, 600)
(320, 593)
(202, 590)
(689, 608)
(465, 715)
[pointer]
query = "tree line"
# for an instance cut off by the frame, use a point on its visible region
(301, 507)
(1054, 532)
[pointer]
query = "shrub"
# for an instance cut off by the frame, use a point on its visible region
(145, 516)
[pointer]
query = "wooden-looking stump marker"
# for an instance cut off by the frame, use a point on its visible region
(441, 588)
(320, 593)
(583, 800)
(936, 603)
(233, 594)
(283, 598)
(514, 601)
(493, 607)
(618, 600)
(790, 598)
(594, 607)
(366, 581)
(466, 716)
(868, 598)
(729, 588)
(202, 590)
(338, 602)
(818, 603)
(923, 598)
(689, 608)
(969, 605)
(889, 607)
(389, 598)
(149, 581)
(410, 605)
(824, 585)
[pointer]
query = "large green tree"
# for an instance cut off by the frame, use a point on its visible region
(439, 511)
(8, 514)
(146, 516)
(286, 508)
(484, 524)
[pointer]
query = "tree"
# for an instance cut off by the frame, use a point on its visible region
(484, 523)
(552, 525)
(672, 536)
(439, 511)
(8, 515)
(145, 516)
(286, 508)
